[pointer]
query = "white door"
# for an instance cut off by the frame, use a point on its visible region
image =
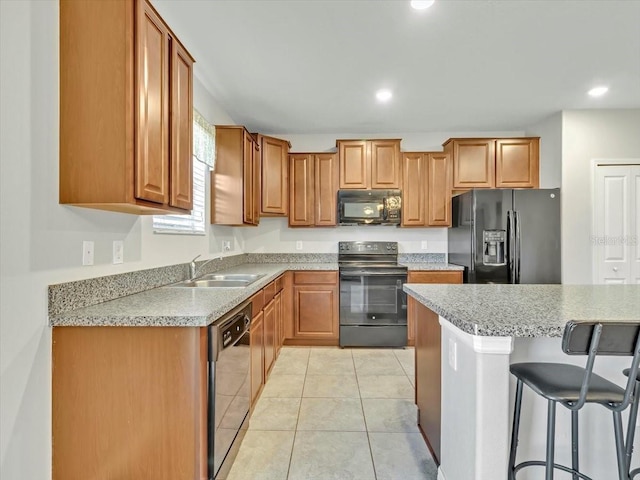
(616, 241)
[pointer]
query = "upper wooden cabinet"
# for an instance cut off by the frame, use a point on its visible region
(274, 166)
(126, 109)
(369, 164)
(494, 163)
(426, 189)
(313, 189)
(235, 183)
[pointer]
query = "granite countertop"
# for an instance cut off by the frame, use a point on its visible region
(431, 266)
(526, 310)
(178, 307)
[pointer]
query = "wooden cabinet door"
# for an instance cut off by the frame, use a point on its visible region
(275, 175)
(473, 163)
(301, 190)
(326, 189)
(278, 322)
(256, 348)
(249, 178)
(414, 181)
(181, 166)
(269, 337)
(315, 311)
(436, 276)
(256, 185)
(354, 162)
(439, 190)
(385, 163)
(517, 162)
(152, 106)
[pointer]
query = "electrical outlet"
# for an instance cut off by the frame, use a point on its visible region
(226, 245)
(118, 251)
(453, 354)
(299, 245)
(423, 245)
(87, 252)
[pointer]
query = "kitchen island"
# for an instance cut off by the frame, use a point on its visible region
(466, 338)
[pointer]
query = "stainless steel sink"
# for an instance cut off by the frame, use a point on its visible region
(230, 280)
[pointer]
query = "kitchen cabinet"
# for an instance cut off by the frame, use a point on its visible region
(235, 182)
(430, 206)
(274, 168)
(126, 120)
(315, 309)
(494, 163)
(106, 386)
(428, 383)
(256, 335)
(426, 276)
(313, 189)
(369, 164)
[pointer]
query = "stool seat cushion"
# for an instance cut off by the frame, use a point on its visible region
(561, 383)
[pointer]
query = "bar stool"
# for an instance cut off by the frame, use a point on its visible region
(573, 387)
(631, 427)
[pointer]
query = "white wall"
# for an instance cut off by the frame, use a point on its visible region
(40, 240)
(550, 132)
(589, 135)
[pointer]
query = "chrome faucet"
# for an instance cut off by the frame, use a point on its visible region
(194, 269)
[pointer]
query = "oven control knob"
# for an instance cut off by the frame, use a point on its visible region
(388, 247)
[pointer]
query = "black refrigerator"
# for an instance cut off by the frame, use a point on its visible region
(506, 235)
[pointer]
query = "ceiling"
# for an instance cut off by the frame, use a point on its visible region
(307, 66)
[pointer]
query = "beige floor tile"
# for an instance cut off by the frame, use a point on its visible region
(331, 386)
(401, 456)
(385, 386)
(297, 352)
(390, 415)
(263, 455)
(381, 362)
(284, 386)
(290, 365)
(331, 456)
(330, 364)
(331, 414)
(275, 414)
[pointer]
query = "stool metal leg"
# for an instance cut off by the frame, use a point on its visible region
(574, 443)
(551, 439)
(514, 432)
(631, 427)
(623, 472)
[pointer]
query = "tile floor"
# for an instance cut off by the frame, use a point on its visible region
(328, 413)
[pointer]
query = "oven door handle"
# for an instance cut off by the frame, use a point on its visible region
(373, 274)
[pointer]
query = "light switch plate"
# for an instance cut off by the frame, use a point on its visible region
(453, 354)
(299, 245)
(423, 245)
(118, 252)
(87, 252)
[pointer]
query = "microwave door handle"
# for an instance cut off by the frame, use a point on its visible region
(385, 209)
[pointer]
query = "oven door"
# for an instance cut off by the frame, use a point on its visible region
(372, 297)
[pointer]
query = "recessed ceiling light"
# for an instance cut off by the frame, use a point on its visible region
(598, 91)
(421, 4)
(384, 95)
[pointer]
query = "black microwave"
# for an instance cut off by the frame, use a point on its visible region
(369, 207)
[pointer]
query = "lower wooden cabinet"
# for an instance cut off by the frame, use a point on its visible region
(426, 276)
(257, 355)
(269, 336)
(315, 309)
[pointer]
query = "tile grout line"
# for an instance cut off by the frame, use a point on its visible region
(295, 430)
(364, 418)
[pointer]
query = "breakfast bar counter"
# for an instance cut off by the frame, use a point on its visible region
(466, 338)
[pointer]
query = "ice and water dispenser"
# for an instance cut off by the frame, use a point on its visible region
(494, 247)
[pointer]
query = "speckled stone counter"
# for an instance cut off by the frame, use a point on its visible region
(428, 266)
(526, 310)
(184, 307)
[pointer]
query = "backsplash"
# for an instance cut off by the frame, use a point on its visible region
(292, 257)
(422, 257)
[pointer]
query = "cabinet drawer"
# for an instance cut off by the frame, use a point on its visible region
(257, 303)
(269, 292)
(435, 277)
(315, 277)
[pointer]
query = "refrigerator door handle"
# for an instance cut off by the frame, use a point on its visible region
(511, 247)
(516, 216)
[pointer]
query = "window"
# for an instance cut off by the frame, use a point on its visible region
(203, 159)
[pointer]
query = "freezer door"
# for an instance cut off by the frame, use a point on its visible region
(490, 263)
(460, 234)
(538, 235)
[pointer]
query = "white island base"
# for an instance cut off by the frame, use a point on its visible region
(477, 403)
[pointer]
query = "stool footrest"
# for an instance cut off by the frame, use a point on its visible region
(540, 463)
